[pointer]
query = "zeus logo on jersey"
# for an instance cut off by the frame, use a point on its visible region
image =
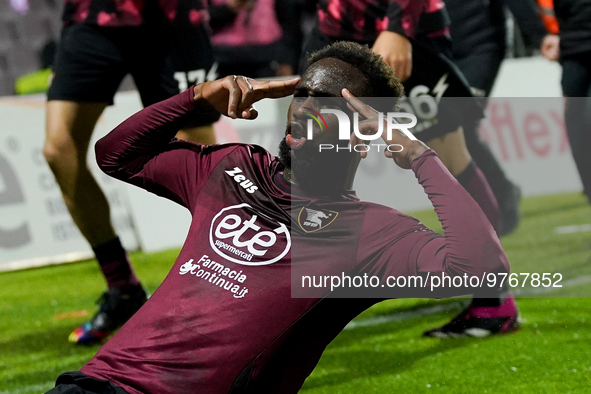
(247, 184)
(244, 236)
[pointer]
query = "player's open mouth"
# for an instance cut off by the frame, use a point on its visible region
(295, 135)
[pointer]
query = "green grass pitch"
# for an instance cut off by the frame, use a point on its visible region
(382, 351)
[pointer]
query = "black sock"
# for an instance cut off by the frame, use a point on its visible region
(115, 265)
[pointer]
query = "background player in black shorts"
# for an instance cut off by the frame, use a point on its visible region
(413, 37)
(165, 47)
(479, 44)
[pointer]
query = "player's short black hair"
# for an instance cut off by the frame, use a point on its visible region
(381, 78)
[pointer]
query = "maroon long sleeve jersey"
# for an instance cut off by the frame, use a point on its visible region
(224, 320)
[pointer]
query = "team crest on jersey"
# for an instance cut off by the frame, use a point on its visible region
(311, 220)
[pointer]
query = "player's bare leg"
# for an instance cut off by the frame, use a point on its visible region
(65, 151)
(69, 126)
(451, 149)
(484, 316)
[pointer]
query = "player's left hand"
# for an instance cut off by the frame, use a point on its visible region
(411, 149)
(396, 50)
(235, 95)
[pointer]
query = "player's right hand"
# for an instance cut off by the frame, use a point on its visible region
(411, 149)
(550, 47)
(396, 50)
(235, 95)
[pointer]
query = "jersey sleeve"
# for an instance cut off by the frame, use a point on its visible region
(398, 245)
(143, 151)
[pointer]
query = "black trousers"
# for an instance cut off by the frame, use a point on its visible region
(481, 69)
(576, 87)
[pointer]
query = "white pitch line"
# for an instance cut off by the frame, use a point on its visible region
(430, 310)
(541, 290)
(32, 388)
(575, 228)
(402, 316)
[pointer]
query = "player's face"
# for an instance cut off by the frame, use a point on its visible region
(323, 79)
(315, 171)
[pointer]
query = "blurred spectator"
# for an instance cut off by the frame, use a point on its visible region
(255, 37)
(574, 19)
